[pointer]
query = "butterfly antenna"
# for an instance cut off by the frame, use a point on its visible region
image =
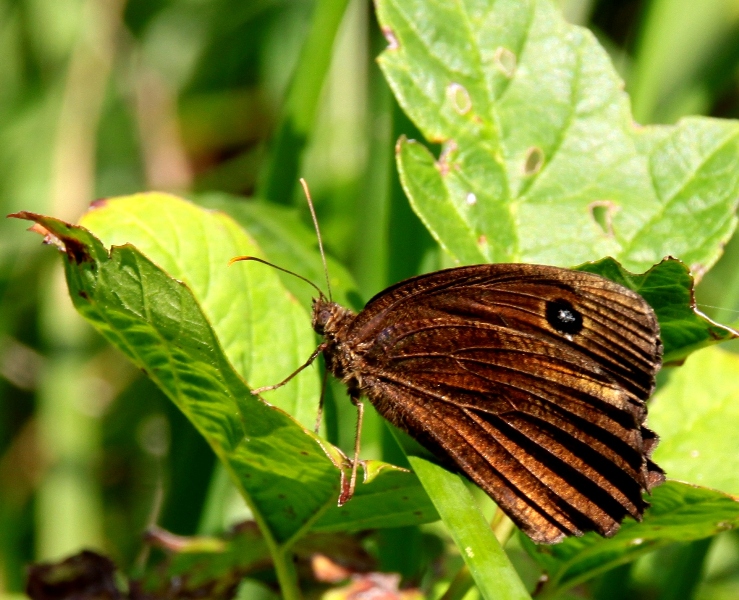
(269, 264)
(318, 234)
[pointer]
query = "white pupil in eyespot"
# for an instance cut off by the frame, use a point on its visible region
(565, 316)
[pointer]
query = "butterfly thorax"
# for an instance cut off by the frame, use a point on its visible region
(330, 320)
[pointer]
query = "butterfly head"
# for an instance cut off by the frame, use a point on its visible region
(329, 317)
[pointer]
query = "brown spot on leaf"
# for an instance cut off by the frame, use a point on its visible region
(534, 161)
(76, 251)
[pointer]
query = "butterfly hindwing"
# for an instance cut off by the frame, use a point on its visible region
(530, 380)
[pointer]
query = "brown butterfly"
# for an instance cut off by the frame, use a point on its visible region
(529, 379)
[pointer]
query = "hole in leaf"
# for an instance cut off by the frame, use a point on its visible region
(471, 199)
(505, 61)
(459, 97)
(602, 212)
(534, 161)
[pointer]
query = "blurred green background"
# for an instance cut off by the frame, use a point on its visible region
(109, 97)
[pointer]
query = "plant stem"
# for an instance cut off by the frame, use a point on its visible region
(286, 574)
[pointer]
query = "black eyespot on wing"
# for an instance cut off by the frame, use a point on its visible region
(563, 317)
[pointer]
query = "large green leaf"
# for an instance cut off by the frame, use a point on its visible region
(696, 415)
(541, 160)
(679, 513)
(281, 470)
(247, 305)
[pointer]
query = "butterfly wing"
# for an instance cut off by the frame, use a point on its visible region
(531, 380)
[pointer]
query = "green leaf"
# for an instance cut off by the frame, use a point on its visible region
(392, 497)
(204, 566)
(541, 161)
(248, 307)
(277, 338)
(156, 321)
(668, 288)
(696, 415)
(679, 513)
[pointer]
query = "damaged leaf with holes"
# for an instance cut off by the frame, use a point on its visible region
(533, 121)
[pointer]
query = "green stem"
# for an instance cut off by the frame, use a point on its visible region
(287, 576)
(503, 528)
(281, 555)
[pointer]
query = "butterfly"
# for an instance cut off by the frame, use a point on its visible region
(530, 380)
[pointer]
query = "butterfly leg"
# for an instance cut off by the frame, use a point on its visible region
(307, 363)
(319, 416)
(347, 493)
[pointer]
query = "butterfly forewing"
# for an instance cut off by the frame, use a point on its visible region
(530, 380)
